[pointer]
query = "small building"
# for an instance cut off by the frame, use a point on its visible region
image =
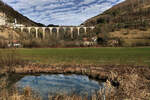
(2, 19)
(89, 41)
(15, 43)
(18, 25)
(15, 25)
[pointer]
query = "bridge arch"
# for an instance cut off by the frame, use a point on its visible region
(32, 31)
(61, 32)
(40, 32)
(67, 33)
(54, 32)
(47, 33)
(75, 33)
(25, 29)
(81, 32)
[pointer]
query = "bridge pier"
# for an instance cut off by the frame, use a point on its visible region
(50, 29)
(78, 28)
(57, 28)
(85, 30)
(29, 30)
(22, 29)
(71, 28)
(43, 28)
(36, 32)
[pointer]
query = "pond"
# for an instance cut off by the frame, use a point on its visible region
(53, 85)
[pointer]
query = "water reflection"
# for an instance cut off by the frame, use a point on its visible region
(46, 85)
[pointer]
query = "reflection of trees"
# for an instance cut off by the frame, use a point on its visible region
(9, 80)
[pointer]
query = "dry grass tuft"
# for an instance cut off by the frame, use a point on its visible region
(8, 59)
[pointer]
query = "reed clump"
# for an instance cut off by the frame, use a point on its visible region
(6, 94)
(8, 59)
(103, 94)
(27, 94)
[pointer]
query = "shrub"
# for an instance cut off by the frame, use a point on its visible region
(3, 44)
(33, 43)
(115, 42)
(10, 58)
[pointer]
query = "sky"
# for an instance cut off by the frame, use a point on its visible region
(61, 12)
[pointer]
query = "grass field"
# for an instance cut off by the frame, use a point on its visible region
(135, 56)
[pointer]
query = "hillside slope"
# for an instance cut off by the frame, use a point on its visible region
(6, 33)
(126, 14)
(11, 14)
(127, 20)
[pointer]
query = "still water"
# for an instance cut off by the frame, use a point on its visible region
(46, 85)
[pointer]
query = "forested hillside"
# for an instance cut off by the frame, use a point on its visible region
(11, 14)
(129, 21)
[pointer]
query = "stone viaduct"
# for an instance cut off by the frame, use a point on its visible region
(57, 30)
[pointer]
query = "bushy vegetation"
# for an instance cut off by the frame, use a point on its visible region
(130, 15)
(3, 43)
(12, 14)
(9, 58)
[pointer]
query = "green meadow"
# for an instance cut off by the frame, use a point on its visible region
(135, 56)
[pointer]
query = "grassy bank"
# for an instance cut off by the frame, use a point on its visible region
(135, 56)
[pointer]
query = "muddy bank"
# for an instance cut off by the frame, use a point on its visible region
(129, 82)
